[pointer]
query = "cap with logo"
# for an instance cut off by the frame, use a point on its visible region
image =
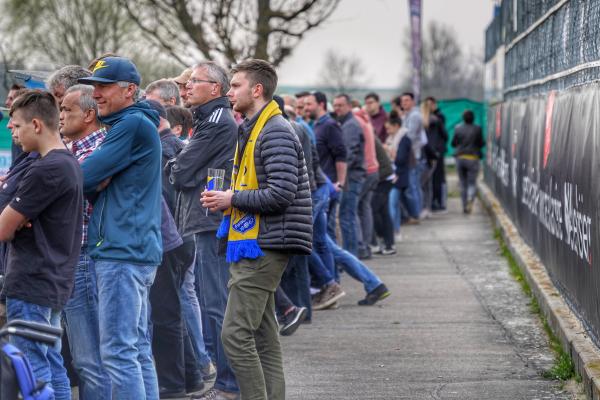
(111, 70)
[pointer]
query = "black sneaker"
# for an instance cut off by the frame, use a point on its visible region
(379, 293)
(292, 320)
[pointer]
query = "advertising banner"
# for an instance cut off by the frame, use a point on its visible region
(543, 165)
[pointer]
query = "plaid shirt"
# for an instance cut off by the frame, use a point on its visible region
(81, 149)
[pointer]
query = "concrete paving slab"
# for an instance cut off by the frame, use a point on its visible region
(457, 326)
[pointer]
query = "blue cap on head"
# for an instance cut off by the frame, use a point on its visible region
(111, 70)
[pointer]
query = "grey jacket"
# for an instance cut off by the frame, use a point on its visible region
(355, 148)
(212, 145)
(283, 198)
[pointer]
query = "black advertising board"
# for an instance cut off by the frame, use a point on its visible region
(543, 165)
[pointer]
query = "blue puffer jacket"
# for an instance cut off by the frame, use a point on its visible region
(125, 223)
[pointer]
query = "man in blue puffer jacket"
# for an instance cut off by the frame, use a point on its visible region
(123, 177)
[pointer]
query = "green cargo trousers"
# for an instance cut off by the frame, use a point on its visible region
(250, 332)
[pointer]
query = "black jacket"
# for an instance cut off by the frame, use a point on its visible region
(283, 198)
(212, 145)
(437, 136)
(468, 140)
(171, 146)
(405, 160)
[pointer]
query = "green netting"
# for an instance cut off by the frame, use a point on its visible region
(5, 139)
(453, 110)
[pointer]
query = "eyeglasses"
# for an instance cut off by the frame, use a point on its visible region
(193, 81)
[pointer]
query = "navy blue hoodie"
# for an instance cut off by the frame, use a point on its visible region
(125, 223)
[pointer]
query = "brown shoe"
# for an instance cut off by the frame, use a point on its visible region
(328, 296)
(413, 221)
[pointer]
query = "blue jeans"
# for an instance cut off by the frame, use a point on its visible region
(416, 194)
(354, 267)
(321, 262)
(46, 361)
(295, 282)
(348, 215)
(395, 213)
(81, 324)
(212, 275)
(192, 315)
(125, 345)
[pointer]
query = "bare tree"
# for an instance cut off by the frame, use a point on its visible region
(341, 73)
(228, 30)
(68, 32)
(446, 72)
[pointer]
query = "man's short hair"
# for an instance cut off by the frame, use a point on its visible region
(177, 115)
(302, 94)
(259, 72)
(397, 100)
(216, 73)
(37, 104)
(321, 98)
(409, 94)
(430, 98)
(67, 76)
(372, 95)
(86, 97)
(468, 117)
(16, 86)
(166, 88)
(344, 96)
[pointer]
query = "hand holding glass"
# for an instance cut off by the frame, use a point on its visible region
(215, 180)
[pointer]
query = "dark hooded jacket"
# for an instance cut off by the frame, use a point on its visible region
(125, 223)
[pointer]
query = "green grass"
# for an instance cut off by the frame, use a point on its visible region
(563, 368)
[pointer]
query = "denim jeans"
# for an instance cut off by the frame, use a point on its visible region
(125, 345)
(296, 283)
(348, 215)
(467, 175)
(46, 361)
(212, 275)
(321, 262)
(395, 213)
(354, 267)
(365, 213)
(416, 194)
(81, 325)
(192, 315)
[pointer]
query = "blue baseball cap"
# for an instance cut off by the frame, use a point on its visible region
(111, 70)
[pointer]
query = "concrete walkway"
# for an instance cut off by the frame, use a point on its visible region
(457, 326)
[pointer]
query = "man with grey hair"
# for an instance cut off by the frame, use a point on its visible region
(165, 91)
(80, 126)
(63, 79)
(211, 145)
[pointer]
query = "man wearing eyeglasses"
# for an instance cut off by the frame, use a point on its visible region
(212, 145)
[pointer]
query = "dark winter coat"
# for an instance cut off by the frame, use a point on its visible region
(212, 145)
(283, 198)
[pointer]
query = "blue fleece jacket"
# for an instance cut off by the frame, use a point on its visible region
(125, 223)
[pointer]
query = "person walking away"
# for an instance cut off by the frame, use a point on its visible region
(267, 219)
(468, 142)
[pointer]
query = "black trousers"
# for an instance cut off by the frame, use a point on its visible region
(382, 220)
(169, 335)
(439, 182)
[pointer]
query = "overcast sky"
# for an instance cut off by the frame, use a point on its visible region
(373, 29)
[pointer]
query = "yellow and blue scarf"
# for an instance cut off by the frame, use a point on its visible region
(241, 228)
